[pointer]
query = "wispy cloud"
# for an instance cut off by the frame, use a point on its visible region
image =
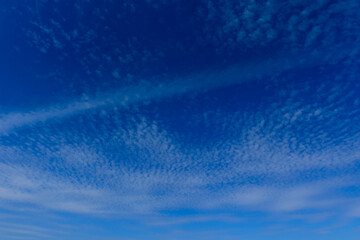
(135, 166)
(273, 132)
(145, 91)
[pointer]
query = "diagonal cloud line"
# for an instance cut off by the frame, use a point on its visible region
(206, 81)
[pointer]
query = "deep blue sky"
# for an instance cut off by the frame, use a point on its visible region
(180, 119)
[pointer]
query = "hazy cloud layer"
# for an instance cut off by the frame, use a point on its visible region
(165, 113)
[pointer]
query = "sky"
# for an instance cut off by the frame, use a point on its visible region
(178, 119)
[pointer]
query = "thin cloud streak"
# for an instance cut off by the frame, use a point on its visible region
(130, 95)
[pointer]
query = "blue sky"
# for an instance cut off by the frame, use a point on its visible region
(179, 119)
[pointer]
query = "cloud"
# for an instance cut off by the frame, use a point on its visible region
(146, 92)
(242, 26)
(136, 166)
(275, 134)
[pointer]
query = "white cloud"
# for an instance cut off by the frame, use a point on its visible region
(145, 91)
(129, 164)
